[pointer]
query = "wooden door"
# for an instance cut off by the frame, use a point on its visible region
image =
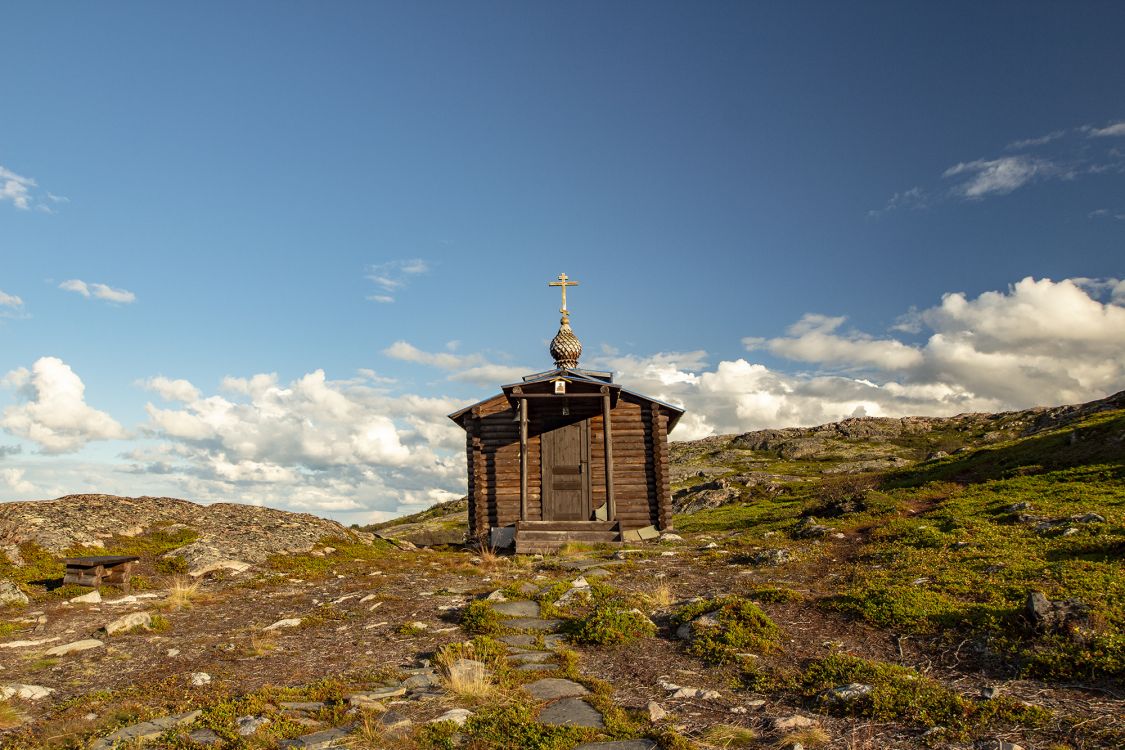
(566, 473)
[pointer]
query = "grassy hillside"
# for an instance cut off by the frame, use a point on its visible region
(950, 549)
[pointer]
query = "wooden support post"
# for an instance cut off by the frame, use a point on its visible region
(523, 459)
(607, 442)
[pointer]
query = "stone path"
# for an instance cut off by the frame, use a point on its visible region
(565, 700)
(532, 647)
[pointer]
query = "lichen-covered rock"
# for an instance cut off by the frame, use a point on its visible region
(226, 531)
(10, 594)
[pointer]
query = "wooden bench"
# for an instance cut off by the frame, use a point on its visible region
(94, 571)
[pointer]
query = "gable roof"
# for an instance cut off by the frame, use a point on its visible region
(591, 378)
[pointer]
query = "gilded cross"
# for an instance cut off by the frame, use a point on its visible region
(564, 281)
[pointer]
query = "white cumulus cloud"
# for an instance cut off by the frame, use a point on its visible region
(14, 479)
(312, 444)
(98, 291)
(54, 413)
(1038, 342)
(10, 300)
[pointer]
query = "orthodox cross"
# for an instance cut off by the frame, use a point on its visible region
(564, 281)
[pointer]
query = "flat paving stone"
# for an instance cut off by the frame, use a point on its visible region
(571, 712)
(619, 745)
(587, 564)
(528, 642)
(553, 688)
(516, 608)
(531, 657)
(329, 738)
(532, 623)
(547, 667)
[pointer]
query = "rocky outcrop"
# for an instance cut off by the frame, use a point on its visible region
(226, 531)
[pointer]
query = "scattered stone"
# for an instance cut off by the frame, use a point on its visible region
(597, 573)
(685, 693)
(323, 740)
(247, 725)
(770, 557)
(172, 652)
(11, 594)
(75, 647)
(847, 693)
(145, 731)
(130, 599)
(395, 724)
(808, 528)
(671, 538)
(997, 744)
(289, 622)
(419, 681)
(1046, 616)
(988, 692)
(711, 545)
(623, 554)
(27, 644)
(93, 597)
(553, 688)
(516, 609)
(571, 712)
(378, 694)
(1017, 507)
(204, 737)
(26, 692)
(789, 723)
(127, 622)
(1088, 518)
(706, 620)
(527, 588)
(199, 679)
(457, 715)
(655, 711)
(496, 596)
(235, 566)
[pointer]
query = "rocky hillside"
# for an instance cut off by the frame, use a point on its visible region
(907, 584)
(210, 534)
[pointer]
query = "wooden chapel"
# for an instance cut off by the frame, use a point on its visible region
(567, 455)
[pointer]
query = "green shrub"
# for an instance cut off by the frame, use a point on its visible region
(171, 566)
(900, 694)
(479, 618)
(740, 626)
(608, 624)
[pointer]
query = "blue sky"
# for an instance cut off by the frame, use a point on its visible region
(779, 214)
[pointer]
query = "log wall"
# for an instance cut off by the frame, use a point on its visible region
(640, 455)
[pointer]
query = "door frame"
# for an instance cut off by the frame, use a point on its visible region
(547, 501)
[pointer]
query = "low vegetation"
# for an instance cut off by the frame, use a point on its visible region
(724, 627)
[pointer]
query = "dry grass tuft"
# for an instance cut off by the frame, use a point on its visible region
(466, 683)
(727, 736)
(662, 596)
(810, 737)
(9, 717)
(182, 593)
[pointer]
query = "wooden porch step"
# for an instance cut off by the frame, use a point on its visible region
(550, 536)
(566, 526)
